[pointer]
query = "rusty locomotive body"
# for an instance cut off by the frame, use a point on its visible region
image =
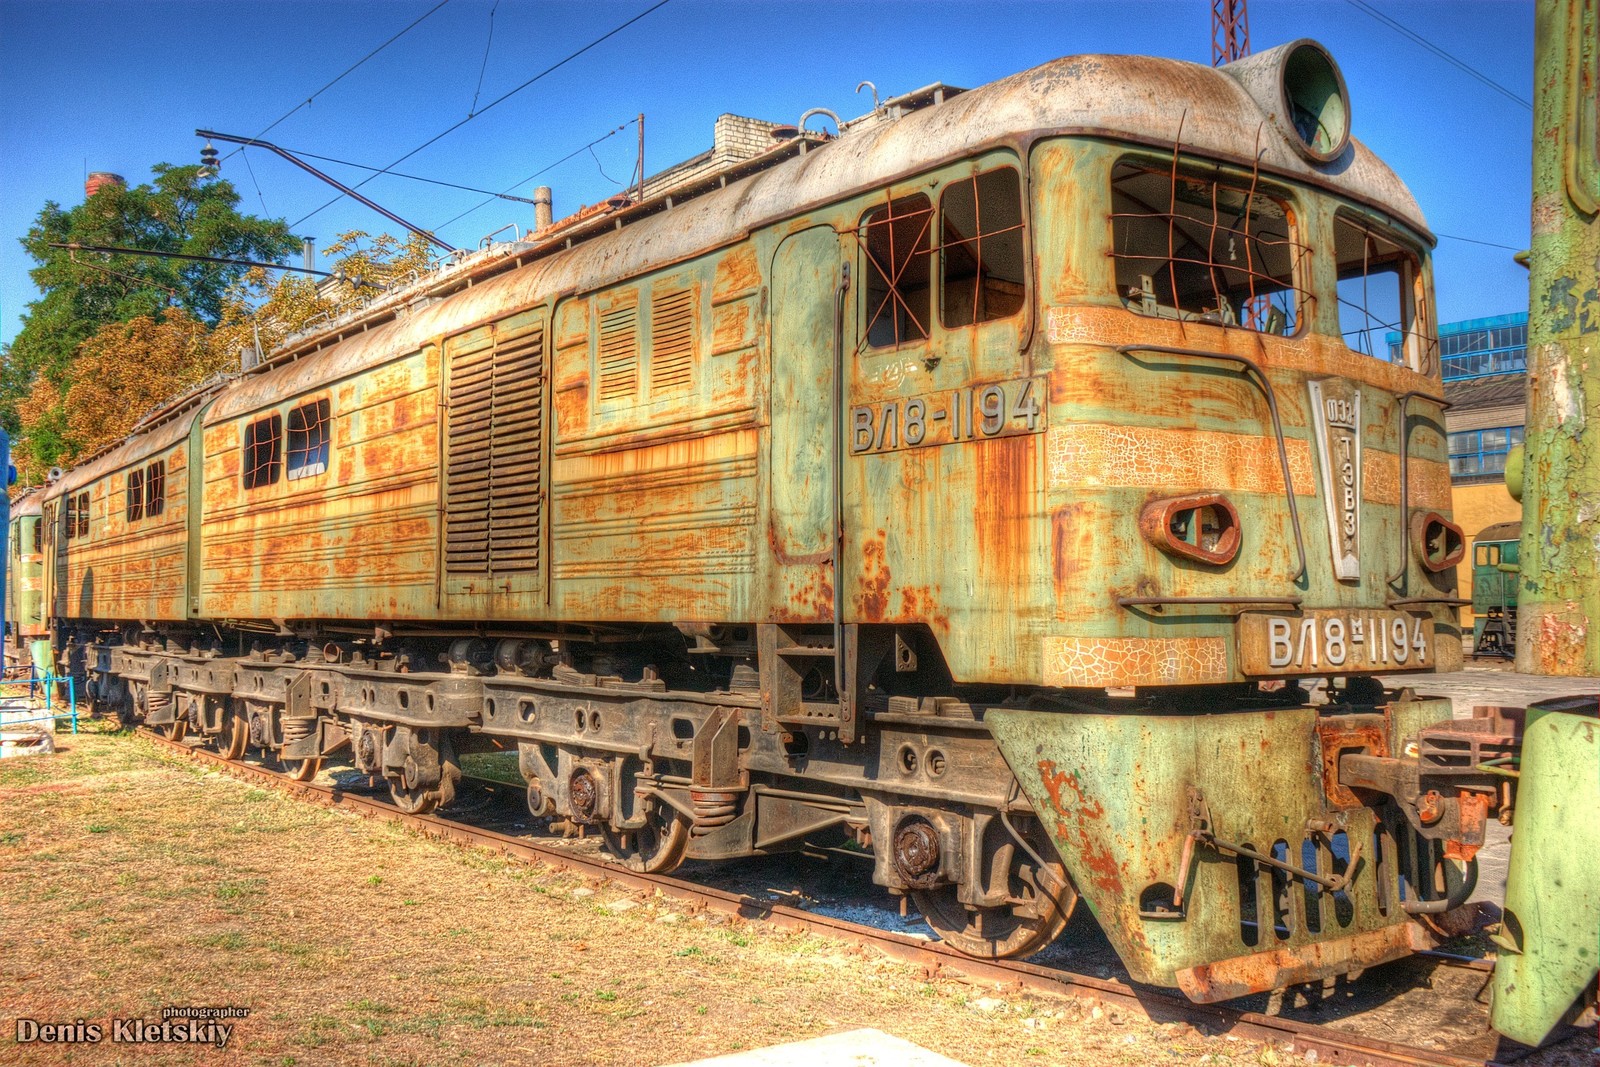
(973, 489)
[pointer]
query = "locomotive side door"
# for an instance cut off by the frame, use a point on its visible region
(806, 650)
(806, 271)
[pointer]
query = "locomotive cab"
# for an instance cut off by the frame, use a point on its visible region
(1202, 462)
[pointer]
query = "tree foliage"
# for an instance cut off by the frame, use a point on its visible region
(83, 292)
(123, 370)
(129, 369)
(258, 310)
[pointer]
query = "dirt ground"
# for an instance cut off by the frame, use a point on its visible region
(132, 880)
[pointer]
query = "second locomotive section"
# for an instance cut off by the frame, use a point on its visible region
(972, 490)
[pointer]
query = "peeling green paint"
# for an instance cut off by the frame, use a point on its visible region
(1116, 794)
(1559, 626)
(1551, 943)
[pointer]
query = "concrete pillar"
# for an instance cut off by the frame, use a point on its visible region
(1558, 602)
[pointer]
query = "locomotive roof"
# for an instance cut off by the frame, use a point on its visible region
(1134, 99)
(1138, 100)
(31, 502)
(1500, 531)
(133, 449)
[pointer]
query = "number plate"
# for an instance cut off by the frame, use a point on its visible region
(999, 409)
(1334, 641)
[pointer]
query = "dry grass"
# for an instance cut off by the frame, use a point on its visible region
(132, 880)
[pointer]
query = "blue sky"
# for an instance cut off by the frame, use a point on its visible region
(120, 85)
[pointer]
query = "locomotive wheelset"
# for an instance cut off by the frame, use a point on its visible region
(973, 488)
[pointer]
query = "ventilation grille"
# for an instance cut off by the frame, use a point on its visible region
(496, 427)
(516, 454)
(619, 354)
(671, 343)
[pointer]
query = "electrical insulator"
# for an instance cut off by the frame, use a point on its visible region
(209, 164)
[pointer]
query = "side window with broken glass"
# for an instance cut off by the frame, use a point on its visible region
(897, 242)
(1381, 309)
(980, 237)
(1209, 248)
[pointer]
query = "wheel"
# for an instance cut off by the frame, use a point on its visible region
(1037, 903)
(300, 770)
(427, 777)
(127, 707)
(657, 846)
(174, 730)
(235, 735)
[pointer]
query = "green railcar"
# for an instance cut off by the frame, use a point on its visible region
(1495, 552)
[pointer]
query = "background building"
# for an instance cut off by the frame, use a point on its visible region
(1485, 365)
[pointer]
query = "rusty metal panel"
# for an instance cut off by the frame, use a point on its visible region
(803, 430)
(657, 532)
(126, 568)
(1119, 795)
(360, 540)
(656, 472)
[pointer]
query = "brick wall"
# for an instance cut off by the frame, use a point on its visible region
(734, 138)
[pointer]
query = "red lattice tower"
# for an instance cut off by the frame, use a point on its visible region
(1230, 31)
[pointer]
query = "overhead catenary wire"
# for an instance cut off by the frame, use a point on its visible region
(408, 177)
(547, 167)
(347, 71)
(1461, 65)
(1475, 241)
(485, 65)
(601, 168)
(252, 171)
(496, 102)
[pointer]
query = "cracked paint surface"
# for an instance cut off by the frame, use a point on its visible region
(1116, 661)
(1094, 455)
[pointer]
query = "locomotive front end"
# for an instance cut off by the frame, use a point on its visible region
(1247, 493)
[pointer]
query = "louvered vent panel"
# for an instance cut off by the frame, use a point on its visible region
(619, 355)
(671, 343)
(467, 472)
(515, 454)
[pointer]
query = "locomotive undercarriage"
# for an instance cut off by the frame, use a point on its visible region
(1228, 887)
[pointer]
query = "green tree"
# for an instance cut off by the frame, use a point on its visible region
(82, 292)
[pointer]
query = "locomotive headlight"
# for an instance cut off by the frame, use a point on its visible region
(1203, 527)
(1437, 541)
(1300, 88)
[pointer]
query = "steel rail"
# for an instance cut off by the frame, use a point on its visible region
(936, 960)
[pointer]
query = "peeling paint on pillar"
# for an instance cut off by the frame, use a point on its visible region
(1560, 593)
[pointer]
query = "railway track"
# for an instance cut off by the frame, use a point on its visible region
(1327, 1045)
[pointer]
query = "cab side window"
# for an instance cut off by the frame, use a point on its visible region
(1381, 313)
(898, 241)
(980, 236)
